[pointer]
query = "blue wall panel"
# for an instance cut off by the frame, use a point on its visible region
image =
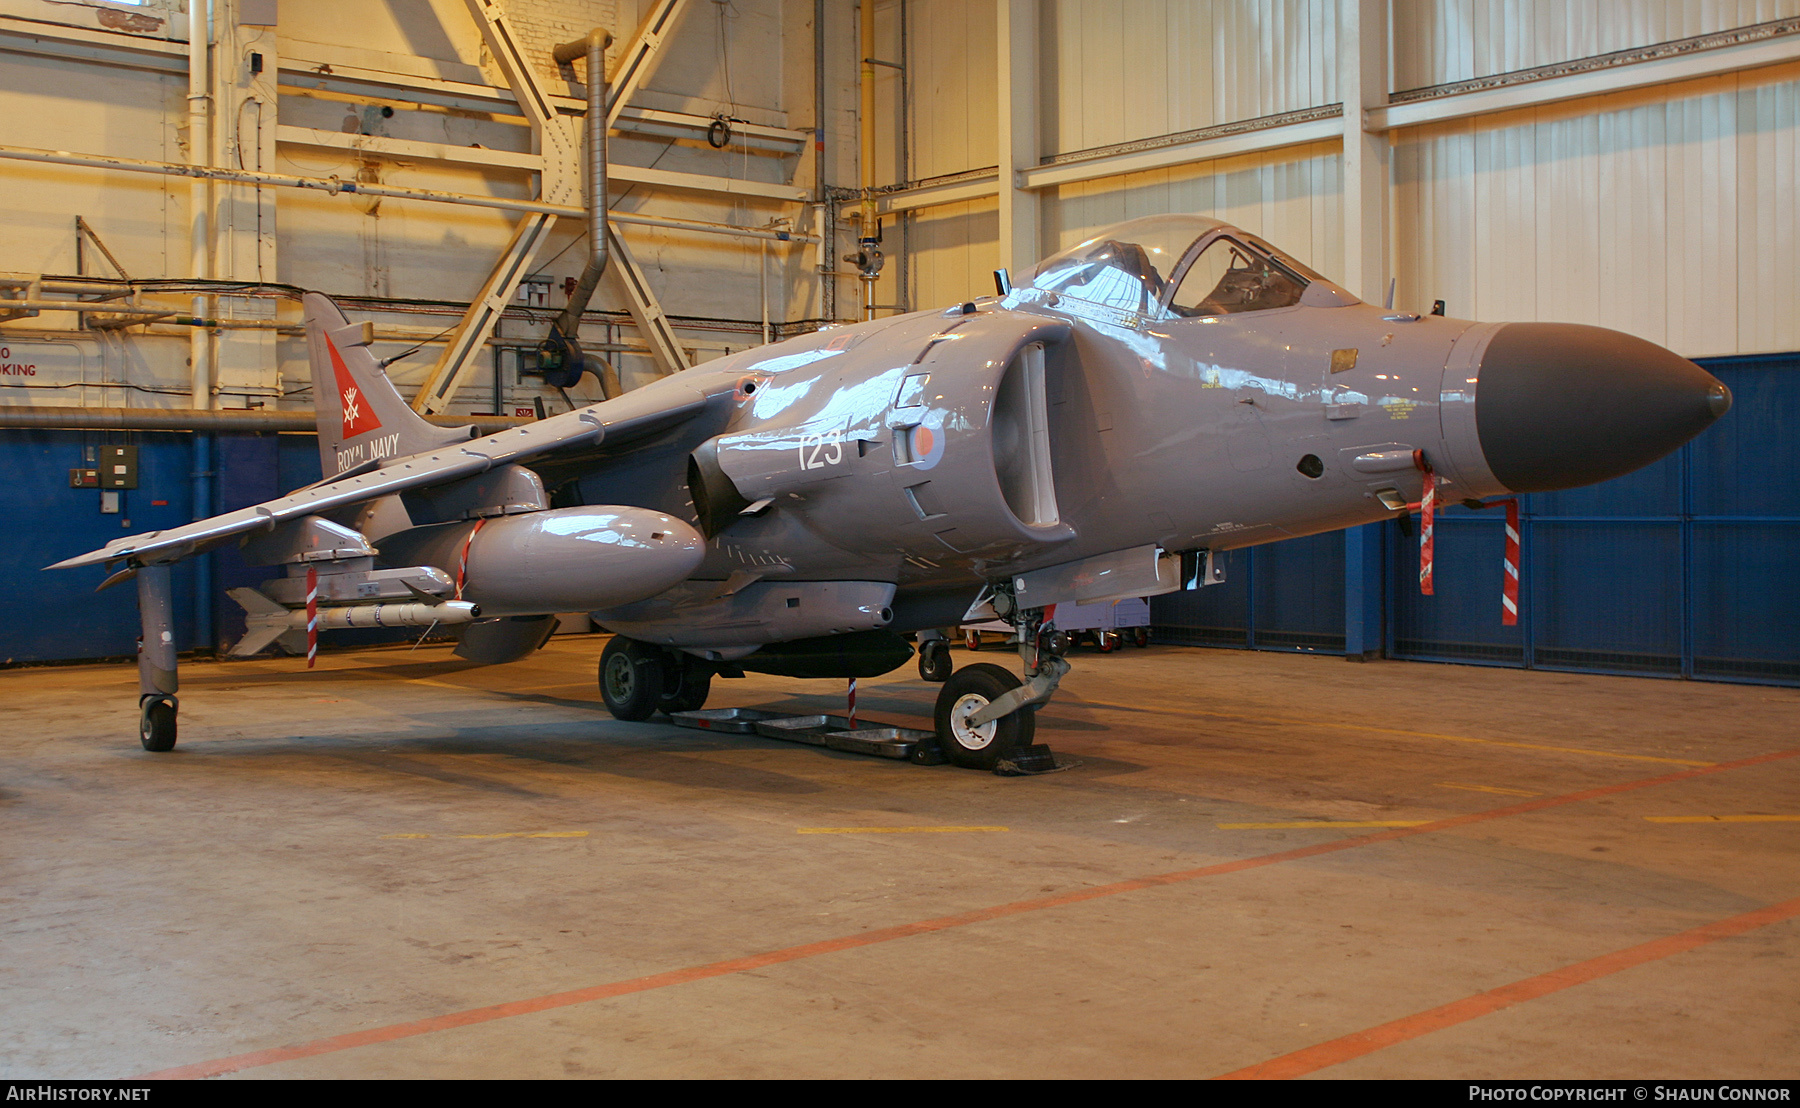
(1218, 615)
(1298, 590)
(58, 616)
(1604, 596)
(1460, 621)
(53, 616)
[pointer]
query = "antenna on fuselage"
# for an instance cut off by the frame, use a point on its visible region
(1390, 297)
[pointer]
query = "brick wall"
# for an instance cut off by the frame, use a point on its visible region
(542, 24)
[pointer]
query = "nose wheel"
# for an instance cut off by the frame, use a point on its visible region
(980, 745)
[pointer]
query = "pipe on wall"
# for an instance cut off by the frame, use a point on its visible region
(564, 343)
(200, 420)
(199, 195)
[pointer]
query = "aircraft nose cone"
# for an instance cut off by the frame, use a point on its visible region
(1562, 404)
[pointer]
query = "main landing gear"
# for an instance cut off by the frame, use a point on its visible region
(638, 679)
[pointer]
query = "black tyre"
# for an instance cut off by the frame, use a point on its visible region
(1141, 635)
(1107, 641)
(934, 660)
(156, 724)
(632, 678)
(687, 681)
(970, 689)
(972, 640)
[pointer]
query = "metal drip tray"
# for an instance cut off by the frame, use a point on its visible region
(733, 721)
(831, 732)
(801, 729)
(883, 742)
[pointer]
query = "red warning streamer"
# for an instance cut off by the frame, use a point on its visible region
(853, 703)
(1427, 517)
(1509, 599)
(312, 615)
(462, 566)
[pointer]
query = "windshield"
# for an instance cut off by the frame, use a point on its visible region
(1127, 266)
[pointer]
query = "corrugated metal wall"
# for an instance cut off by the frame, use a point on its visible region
(1669, 213)
(1436, 42)
(1115, 72)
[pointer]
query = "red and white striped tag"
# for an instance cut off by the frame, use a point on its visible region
(462, 567)
(312, 615)
(1509, 598)
(1427, 519)
(853, 703)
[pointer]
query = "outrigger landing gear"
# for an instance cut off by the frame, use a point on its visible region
(986, 718)
(157, 682)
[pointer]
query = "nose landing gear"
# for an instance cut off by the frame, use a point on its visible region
(986, 717)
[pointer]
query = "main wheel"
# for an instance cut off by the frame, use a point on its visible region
(969, 690)
(632, 678)
(686, 683)
(156, 723)
(972, 639)
(934, 660)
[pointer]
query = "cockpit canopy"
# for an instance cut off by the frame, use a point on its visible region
(1173, 266)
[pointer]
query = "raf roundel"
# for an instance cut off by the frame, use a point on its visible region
(927, 445)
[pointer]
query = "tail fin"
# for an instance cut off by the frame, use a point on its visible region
(361, 416)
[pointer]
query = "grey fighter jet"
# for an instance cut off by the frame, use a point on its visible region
(1167, 390)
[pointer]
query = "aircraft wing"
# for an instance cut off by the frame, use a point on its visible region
(620, 419)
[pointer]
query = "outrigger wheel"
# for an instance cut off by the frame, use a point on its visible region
(156, 722)
(969, 690)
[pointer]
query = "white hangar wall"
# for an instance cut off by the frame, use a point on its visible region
(1668, 211)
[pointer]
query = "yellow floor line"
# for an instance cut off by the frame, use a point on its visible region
(1485, 789)
(1322, 823)
(500, 835)
(1396, 731)
(1723, 819)
(884, 830)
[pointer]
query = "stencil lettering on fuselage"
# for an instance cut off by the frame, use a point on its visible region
(384, 447)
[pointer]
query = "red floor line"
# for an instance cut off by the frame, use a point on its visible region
(1315, 1058)
(487, 1014)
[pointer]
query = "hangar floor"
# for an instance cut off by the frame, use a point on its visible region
(396, 865)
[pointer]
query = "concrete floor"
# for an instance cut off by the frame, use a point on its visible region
(397, 837)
